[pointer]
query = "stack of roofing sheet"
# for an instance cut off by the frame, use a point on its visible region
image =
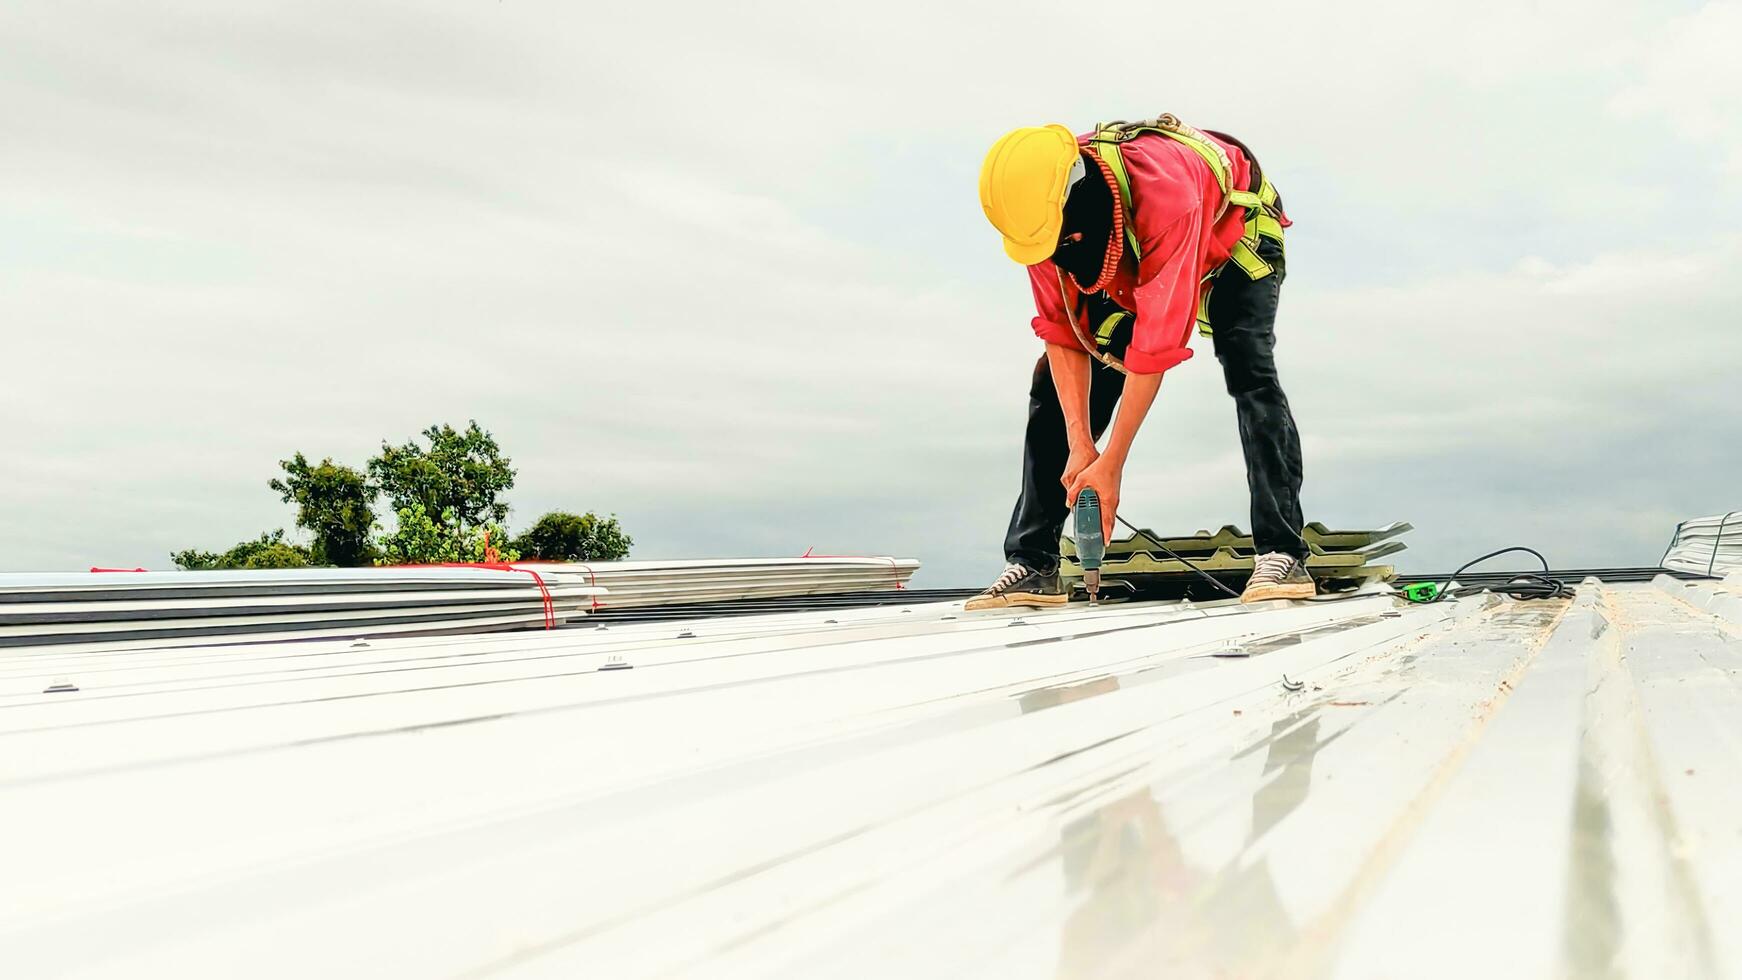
(1338, 559)
(642, 584)
(1707, 545)
(185, 608)
(734, 608)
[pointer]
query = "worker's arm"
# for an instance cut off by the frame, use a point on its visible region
(1134, 404)
(1166, 308)
(1072, 374)
(1106, 472)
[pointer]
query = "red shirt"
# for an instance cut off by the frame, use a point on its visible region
(1174, 198)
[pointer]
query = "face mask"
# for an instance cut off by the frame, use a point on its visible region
(1088, 222)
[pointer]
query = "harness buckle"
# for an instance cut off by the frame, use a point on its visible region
(1117, 131)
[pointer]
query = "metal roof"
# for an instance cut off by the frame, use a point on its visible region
(1481, 787)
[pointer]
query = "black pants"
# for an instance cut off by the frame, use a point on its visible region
(1243, 319)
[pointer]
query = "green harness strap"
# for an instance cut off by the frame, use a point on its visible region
(1104, 335)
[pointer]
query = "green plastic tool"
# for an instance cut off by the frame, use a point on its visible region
(1421, 591)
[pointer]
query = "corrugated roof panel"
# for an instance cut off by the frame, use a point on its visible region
(1480, 787)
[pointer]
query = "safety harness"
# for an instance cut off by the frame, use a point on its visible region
(1263, 215)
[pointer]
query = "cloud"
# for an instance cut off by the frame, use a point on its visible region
(1690, 77)
(720, 269)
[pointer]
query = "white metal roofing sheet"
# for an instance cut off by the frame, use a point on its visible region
(1707, 545)
(1472, 788)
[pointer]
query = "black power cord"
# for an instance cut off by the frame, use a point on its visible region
(1206, 576)
(1524, 585)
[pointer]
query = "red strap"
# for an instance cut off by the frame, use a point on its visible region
(543, 591)
(1115, 244)
(893, 568)
(544, 594)
(592, 580)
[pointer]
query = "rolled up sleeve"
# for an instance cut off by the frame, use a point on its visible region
(1050, 323)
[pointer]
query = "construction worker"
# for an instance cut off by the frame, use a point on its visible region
(1132, 234)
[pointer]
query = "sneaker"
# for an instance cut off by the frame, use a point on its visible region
(1278, 576)
(1021, 586)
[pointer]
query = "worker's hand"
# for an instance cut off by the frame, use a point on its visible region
(1104, 475)
(1082, 454)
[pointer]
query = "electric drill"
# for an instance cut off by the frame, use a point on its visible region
(1091, 542)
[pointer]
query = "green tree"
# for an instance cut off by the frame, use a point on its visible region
(561, 536)
(456, 480)
(424, 540)
(335, 504)
(269, 551)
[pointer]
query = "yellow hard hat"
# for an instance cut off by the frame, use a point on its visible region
(1022, 189)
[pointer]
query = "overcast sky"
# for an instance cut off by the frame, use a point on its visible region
(721, 269)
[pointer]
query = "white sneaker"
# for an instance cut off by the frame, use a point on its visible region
(1278, 576)
(1021, 586)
